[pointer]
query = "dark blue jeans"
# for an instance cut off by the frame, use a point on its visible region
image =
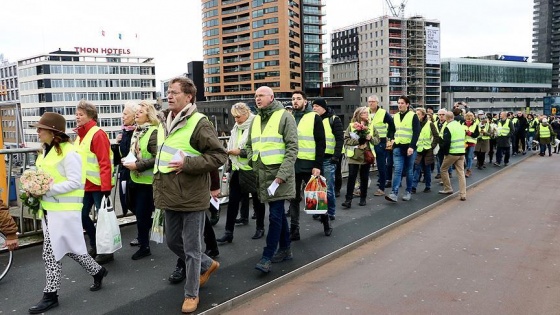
(502, 151)
(329, 171)
(278, 231)
(419, 168)
(404, 164)
(90, 198)
(381, 159)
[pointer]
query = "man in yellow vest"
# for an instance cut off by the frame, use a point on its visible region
(407, 131)
(94, 147)
(272, 148)
(453, 148)
(440, 125)
(188, 150)
(334, 134)
(505, 131)
(383, 123)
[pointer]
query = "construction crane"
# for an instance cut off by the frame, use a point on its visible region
(400, 12)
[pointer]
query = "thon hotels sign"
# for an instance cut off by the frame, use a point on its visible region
(103, 50)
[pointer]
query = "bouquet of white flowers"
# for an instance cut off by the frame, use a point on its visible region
(34, 184)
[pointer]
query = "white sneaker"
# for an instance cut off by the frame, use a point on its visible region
(406, 196)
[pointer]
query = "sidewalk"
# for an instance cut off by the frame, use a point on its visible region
(496, 253)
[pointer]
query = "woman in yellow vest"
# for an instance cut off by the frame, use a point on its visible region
(355, 146)
(471, 134)
(545, 135)
(483, 141)
(243, 179)
(61, 209)
(143, 146)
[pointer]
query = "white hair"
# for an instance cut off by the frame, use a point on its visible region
(131, 106)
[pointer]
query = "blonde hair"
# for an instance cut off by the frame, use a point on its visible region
(239, 109)
(150, 112)
(422, 110)
(358, 112)
(469, 116)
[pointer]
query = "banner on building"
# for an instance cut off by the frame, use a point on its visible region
(432, 45)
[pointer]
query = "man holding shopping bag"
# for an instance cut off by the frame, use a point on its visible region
(188, 150)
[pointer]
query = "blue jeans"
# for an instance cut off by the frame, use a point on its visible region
(278, 231)
(329, 170)
(90, 198)
(419, 168)
(502, 151)
(469, 154)
(403, 165)
(381, 159)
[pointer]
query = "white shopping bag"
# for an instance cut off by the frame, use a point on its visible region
(108, 235)
(157, 232)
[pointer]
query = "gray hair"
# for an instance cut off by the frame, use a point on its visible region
(131, 106)
(373, 98)
(88, 108)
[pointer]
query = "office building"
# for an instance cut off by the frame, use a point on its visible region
(495, 85)
(10, 115)
(390, 57)
(57, 81)
(195, 73)
(252, 43)
(546, 37)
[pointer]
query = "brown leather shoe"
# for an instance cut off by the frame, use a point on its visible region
(205, 276)
(190, 304)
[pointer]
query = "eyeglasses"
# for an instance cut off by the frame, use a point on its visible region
(262, 95)
(174, 92)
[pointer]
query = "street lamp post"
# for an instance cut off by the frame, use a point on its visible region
(215, 122)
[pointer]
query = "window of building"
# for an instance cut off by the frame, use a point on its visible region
(91, 69)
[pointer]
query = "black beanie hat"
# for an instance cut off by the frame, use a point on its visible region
(321, 102)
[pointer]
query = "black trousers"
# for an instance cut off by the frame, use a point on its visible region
(235, 197)
(353, 170)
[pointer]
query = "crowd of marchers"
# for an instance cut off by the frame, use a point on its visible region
(170, 160)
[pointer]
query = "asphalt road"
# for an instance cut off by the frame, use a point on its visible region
(141, 287)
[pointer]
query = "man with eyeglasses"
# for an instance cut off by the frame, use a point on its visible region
(440, 125)
(272, 149)
(188, 151)
(383, 123)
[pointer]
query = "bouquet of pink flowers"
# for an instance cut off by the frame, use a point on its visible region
(34, 184)
(361, 130)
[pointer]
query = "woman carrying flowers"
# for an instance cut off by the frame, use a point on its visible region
(358, 137)
(61, 209)
(144, 148)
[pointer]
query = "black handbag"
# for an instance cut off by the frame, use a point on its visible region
(248, 181)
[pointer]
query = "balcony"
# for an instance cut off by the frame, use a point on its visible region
(237, 10)
(235, 30)
(320, 3)
(236, 49)
(232, 21)
(313, 11)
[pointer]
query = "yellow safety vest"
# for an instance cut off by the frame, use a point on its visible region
(486, 130)
(504, 129)
(306, 140)
(472, 128)
(147, 176)
(457, 137)
(403, 129)
(377, 122)
(179, 139)
(90, 164)
(243, 163)
(544, 132)
(425, 138)
(350, 148)
(329, 136)
(70, 201)
(532, 125)
(268, 143)
(440, 130)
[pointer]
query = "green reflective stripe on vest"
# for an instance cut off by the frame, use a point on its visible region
(350, 148)
(178, 140)
(70, 201)
(147, 176)
(472, 128)
(306, 140)
(242, 163)
(544, 132)
(90, 164)
(532, 125)
(268, 143)
(403, 129)
(457, 138)
(329, 136)
(378, 124)
(503, 129)
(425, 138)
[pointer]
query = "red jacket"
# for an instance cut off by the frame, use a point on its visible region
(100, 146)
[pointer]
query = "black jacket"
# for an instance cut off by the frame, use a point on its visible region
(338, 131)
(305, 166)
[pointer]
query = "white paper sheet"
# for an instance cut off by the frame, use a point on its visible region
(354, 136)
(130, 158)
(272, 188)
(215, 202)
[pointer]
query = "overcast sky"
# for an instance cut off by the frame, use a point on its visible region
(171, 31)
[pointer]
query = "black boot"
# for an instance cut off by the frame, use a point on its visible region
(294, 234)
(49, 300)
(228, 237)
(327, 227)
(98, 279)
(347, 203)
(362, 201)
